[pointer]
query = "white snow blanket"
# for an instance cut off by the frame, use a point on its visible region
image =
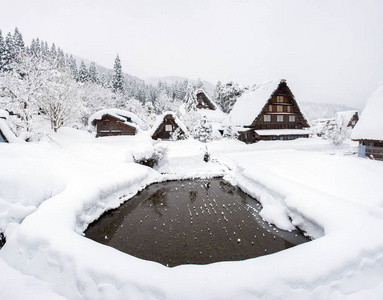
(370, 124)
(65, 185)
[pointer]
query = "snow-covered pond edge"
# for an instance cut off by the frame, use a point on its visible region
(48, 245)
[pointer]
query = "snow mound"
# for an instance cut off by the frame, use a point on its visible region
(370, 124)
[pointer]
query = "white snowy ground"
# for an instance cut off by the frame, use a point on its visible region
(50, 192)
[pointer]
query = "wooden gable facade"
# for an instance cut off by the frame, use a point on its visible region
(281, 111)
(166, 128)
(203, 100)
(109, 125)
(279, 119)
(354, 119)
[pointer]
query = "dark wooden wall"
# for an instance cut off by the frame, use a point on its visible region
(111, 126)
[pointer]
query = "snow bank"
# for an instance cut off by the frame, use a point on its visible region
(185, 159)
(328, 196)
(370, 124)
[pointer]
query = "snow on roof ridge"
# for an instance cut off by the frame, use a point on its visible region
(117, 113)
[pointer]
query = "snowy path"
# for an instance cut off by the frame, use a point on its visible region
(334, 198)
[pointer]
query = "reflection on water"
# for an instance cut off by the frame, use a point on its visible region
(191, 222)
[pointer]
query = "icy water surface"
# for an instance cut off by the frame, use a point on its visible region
(191, 222)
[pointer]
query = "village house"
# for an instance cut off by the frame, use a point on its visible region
(112, 122)
(369, 129)
(268, 112)
(344, 120)
(166, 126)
(6, 134)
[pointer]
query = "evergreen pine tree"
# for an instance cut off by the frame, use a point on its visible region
(73, 67)
(83, 74)
(2, 51)
(118, 77)
(217, 89)
(93, 73)
(9, 54)
(199, 84)
(203, 131)
(18, 44)
(190, 100)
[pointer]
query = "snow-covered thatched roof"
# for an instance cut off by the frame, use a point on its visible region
(370, 124)
(250, 104)
(120, 114)
(161, 118)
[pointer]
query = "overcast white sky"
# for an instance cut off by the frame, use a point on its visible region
(328, 50)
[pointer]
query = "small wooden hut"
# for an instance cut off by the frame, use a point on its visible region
(112, 122)
(369, 129)
(166, 125)
(269, 112)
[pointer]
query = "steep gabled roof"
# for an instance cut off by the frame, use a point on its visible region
(161, 118)
(250, 104)
(370, 124)
(212, 105)
(119, 114)
(248, 107)
(343, 118)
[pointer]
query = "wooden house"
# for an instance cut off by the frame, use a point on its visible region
(347, 118)
(166, 125)
(6, 134)
(112, 122)
(269, 112)
(369, 129)
(204, 101)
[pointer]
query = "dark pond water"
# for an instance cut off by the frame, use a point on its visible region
(191, 222)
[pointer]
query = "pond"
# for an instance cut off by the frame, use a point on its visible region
(191, 222)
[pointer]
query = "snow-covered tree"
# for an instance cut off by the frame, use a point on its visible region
(118, 77)
(150, 115)
(203, 131)
(83, 74)
(217, 89)
(71, 62)
(163, 102)
(59, 99)
(190, 100)
(230, 132)
(93, 73)
(228, 94)
(337, 131)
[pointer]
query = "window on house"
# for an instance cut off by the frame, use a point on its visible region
(288, 108)
(168, 128)
(291, 118)
(270, 108)
(267, 118)
(280, 99)
(279, 108)
(279, 118)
